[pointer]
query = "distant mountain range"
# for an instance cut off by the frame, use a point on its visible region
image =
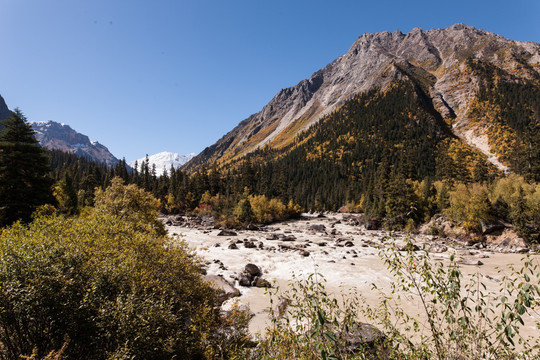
(53, 135)
(450, 69)
(163, 161)
(57, 136)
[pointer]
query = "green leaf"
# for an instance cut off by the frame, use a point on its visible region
(321, 317)
(330, 336)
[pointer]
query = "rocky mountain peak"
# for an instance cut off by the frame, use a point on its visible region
(436, 60)
(57, 136)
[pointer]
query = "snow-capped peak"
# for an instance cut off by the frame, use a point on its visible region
(164, 160)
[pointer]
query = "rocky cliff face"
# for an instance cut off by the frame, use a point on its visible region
(438, 61)
(53, 135)
(4, 111)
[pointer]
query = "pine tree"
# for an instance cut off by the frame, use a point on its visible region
(24, 171)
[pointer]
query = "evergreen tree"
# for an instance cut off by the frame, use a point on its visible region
(24, 171)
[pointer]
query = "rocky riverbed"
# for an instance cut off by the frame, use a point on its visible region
(336, 246)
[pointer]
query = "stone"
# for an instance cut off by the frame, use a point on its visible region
(490, 227)
(252, 227)
(232, 246)
(262, 283)
(317, 227)
(363, 336)
(225, 289)
(402, 245)
(227, 233)
(470, 261)
(244, 279)
(348, 244)
(282, 306)
(249, 244)
(252, 269)
(289, 238)
(304, 253)
(506, 242)
(437, 248)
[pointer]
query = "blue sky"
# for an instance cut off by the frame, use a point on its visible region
(148, 76)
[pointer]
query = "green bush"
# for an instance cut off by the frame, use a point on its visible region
(469, 204)
(106, 285)
(130, 203)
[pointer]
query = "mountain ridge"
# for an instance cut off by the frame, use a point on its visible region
(57, 136)
(436, 60)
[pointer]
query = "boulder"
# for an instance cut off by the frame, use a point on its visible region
(252, 270)
(470, 261)
(225, 290)
(304, 253)
(402, 245)
(437, 248)
(282, 306)
(232, 246)
(252, 227)
(272, 237)
(508, 241)
(248, 244)
(289, 238)
(361, 338)
(244, 279)
(207, 221)
(348, 244)
(262, 283)
(317, 227)
(226, 232)
(490, 227)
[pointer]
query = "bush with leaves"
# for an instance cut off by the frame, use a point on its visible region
(469, 204)
(105, 285)
(130, 203)
(460, 317)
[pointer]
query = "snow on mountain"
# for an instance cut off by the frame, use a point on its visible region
(163, 161)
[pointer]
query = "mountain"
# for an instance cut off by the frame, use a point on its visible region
(463, 76)
(4, 111)
(53, 135)
(163, 161)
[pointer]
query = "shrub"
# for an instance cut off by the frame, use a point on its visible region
(460, 317)
(130, 203)
(469, 204)
(105, 285)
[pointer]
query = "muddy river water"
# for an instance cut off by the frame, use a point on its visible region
(343, 252)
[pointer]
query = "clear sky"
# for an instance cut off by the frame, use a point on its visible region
(173, 75)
